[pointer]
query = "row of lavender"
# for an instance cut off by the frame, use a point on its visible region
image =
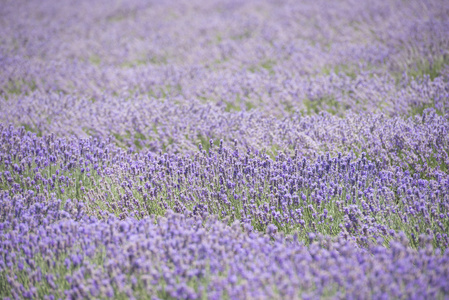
(278, 58)
(369, 196)
(52, 253)
(156, 123)
(79, 219)
(242, 70)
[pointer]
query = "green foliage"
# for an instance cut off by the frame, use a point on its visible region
(239, 103)
(315, 106)
(419, 109)
(431, 67)
(17, 87)
(265, 64)
(33, 129)
(348, 70)
(143, 61)
(95, 59)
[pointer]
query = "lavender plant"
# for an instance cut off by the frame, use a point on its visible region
(352, 195)
(181, 257)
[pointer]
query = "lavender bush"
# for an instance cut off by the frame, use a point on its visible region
(224, 149)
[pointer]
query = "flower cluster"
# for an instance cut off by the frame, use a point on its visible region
(95, 204)
(48, 254)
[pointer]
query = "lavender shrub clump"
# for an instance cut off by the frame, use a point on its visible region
(224, 149)
(183, 257)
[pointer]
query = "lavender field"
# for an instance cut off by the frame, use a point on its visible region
(224, 149)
